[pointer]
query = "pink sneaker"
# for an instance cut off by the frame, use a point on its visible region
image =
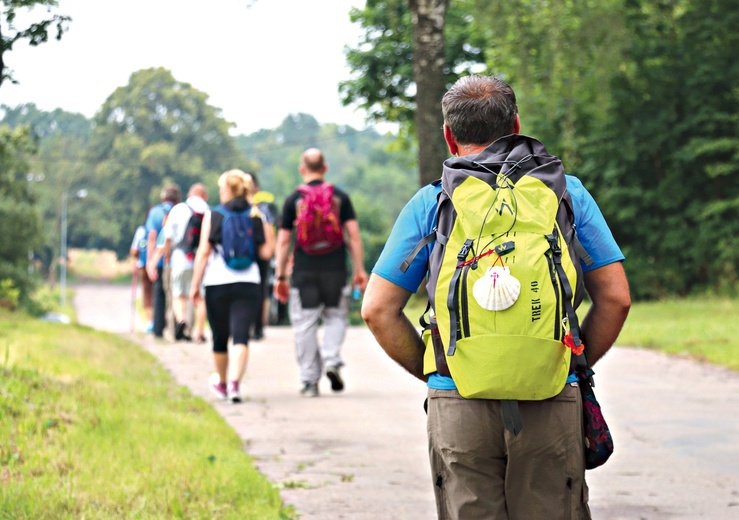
(233, 392)
(217, 387)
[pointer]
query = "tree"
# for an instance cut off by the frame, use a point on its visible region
(429, 64)
(61, 139)
(410, 52)
(19, 215)
(152, 131)
(36, 33)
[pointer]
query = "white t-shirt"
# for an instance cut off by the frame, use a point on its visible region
(175, 227)
(218, 273)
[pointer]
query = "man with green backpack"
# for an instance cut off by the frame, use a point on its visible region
(508, 245)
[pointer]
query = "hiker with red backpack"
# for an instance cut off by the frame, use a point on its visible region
(507, 243)
(319, 215)
(181, 240)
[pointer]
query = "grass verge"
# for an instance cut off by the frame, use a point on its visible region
(701, 328)
(92, 427)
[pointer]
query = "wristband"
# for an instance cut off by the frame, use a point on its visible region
(282, 278)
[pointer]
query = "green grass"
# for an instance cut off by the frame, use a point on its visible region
(702, 328)
(92, 427)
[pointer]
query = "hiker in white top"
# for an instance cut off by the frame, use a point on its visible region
(180, 265)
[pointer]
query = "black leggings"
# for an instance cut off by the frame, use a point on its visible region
(232, 310)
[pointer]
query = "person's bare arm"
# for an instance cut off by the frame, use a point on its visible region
(267, 249)
(356, 251)
(382, 310)
(201, 259)
(609, 292)
(151, 263)
(159, 252)
(282, 287)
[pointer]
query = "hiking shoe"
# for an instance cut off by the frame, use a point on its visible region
(309, 390)
(337, 384)
(233, 392)
(217, 387)
(179, 332)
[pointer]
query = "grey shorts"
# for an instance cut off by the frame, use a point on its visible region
(180, 283)
(481, 470)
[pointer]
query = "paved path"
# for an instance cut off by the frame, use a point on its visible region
(361, 454)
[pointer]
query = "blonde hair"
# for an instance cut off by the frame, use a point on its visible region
(239, 183)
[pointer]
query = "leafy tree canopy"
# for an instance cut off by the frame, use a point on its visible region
(152, 131)
(45, 124)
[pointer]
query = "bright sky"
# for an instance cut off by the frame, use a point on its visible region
(258, 60)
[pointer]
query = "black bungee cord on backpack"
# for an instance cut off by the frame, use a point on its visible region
(515, 165)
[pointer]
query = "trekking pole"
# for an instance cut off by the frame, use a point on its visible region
(134, 280)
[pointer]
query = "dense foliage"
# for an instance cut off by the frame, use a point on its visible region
(666, 168)
(19, 216)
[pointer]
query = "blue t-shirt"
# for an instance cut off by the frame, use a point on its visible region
(139, 243)
(418, 219)
(155, 220)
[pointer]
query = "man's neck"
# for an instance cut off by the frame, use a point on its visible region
(310, 177)
(472, 149)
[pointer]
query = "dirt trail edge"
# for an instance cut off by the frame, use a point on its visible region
(361, 454)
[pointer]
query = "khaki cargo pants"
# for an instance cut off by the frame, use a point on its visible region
(482, 471)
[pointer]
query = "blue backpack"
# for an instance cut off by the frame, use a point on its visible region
(237, 238)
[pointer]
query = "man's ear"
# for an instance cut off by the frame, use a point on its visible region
(517, 125)
(451, 142)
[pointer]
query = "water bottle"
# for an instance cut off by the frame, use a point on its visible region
(356, 293)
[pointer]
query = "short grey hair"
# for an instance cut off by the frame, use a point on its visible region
(479, 109)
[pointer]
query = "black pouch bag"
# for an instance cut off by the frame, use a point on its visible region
(598, 439)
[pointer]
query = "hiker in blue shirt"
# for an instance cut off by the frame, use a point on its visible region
(155, 220)
(479, 468)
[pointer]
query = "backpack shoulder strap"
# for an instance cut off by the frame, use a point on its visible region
(572, 238)
(434, 235)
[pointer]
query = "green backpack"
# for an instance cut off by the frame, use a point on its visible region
(504, 274)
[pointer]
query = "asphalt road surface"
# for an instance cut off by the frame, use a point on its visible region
(361, 454)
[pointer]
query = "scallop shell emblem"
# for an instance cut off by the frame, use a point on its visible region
(497, 289)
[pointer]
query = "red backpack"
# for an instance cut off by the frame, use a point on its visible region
(318, 228)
